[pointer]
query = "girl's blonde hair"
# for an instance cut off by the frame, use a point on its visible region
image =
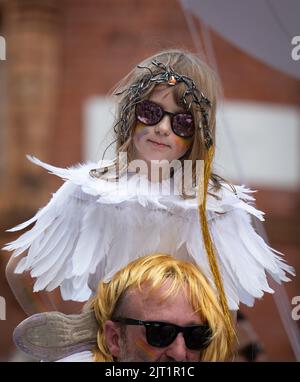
(154, 271)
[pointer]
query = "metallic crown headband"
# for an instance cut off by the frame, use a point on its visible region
(165, 75)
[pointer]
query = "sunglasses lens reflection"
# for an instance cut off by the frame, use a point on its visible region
(161, 336)
(183, 125)
(197, 338)
(149, 113)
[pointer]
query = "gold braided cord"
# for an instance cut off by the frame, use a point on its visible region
(202, 193)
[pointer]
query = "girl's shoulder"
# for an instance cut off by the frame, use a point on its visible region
(222, 200)
(228, 197)
(131, 188)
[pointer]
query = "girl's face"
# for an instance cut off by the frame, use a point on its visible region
(158, 142)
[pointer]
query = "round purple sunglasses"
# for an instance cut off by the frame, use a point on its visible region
(150, 113)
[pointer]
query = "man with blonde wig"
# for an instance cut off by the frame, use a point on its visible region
(157, 308)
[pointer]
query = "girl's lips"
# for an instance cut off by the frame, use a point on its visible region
(156, 144)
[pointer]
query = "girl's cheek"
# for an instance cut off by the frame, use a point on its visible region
(182, 144)
(140, 130)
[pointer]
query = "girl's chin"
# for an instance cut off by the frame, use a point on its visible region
(158, 158)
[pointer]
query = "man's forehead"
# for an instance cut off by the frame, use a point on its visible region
(148, 296)
(159, 305)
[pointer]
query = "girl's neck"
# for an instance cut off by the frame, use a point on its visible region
(155, 171)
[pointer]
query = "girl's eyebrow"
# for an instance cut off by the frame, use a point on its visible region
(179, 109)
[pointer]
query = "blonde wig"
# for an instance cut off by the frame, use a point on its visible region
(153, 271)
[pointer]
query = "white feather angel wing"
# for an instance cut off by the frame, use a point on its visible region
(245, 258)
(68, 234)
(92, 228)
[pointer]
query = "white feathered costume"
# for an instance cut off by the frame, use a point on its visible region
(91, 228)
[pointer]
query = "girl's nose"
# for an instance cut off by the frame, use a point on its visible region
(164, 126)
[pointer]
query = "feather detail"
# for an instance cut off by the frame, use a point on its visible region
(91, 228)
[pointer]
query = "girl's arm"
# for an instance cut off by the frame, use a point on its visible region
(36, 302)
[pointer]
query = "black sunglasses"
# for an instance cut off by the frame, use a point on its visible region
(150, 113)
(162, 334)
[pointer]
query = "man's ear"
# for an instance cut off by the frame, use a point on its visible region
(112, 337)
